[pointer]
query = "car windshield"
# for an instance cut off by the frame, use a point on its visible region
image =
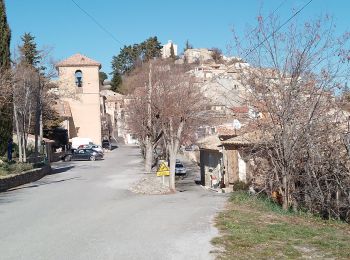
(179, 165)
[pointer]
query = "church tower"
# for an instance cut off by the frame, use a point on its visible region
(79, 80)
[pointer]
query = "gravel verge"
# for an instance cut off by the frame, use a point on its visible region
(151, 185)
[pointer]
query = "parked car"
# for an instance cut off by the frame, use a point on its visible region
(106, 144)
(83, 154)
(180, 169)
(95, 147)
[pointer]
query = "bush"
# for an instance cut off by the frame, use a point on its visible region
(240, 185)
(14, 168)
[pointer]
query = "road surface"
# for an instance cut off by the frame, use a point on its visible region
(84, 210)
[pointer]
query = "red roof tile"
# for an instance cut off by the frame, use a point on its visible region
(78, 60)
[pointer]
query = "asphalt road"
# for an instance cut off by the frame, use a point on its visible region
(84, 210)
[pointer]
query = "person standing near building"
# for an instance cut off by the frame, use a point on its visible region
(9, 150)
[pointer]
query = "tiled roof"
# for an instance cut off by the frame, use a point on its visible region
(78, 60)
(245, 139)
(111, 95)
(211, 142)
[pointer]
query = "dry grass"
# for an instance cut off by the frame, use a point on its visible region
(256, 228)
(13, 168)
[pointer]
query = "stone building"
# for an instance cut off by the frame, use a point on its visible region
(166, 50)
(80, 87)
(114, 110)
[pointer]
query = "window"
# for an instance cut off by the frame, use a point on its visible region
(79, 78)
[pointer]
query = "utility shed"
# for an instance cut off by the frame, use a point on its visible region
(211, 161)
(236, 157)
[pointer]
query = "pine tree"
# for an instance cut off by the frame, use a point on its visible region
(5, 37)
(5, 63)
(116, 82)
(187, 45)
(132, 56)
(29, 52)
(172, 52)
(103, 76)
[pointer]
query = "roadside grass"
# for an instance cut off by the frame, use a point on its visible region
(256, 228)
(13, 168)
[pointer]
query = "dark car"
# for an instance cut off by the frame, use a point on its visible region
(83, 154)
(106, 144)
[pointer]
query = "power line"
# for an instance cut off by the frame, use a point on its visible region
(98, 24)
(280, 27)
(268, 37)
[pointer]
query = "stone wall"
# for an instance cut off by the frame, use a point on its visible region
(23, 178)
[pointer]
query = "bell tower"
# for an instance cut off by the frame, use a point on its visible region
(79, 80)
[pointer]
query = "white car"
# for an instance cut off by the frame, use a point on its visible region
(97, 148)
(180, 169)
(94, 147)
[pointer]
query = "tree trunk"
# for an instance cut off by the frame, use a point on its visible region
(148, 155)
(41, 131)
(37, 129)
(24, 152)
(285, 194)
(172, 160)
(19, 139)
(24, 140)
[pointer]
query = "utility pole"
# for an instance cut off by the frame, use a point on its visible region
(149, 145)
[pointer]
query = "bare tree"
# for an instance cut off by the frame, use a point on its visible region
(167, 93)
(179, 104)
(216, 54)
(141, 118)
(294, 79)
(25, 92)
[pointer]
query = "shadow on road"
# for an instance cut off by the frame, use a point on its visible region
(60, 170)
(41, 183)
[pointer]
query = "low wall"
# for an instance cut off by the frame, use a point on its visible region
(23, 178)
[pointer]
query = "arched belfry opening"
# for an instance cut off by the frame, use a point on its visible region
(79, 78)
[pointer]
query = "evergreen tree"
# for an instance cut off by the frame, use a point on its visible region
(132, 56)
(172, 52)
(188, 45)
(5, 37)
(28, 51)
(150, 48)
(6, 111)
(103, 76)
(116, 82)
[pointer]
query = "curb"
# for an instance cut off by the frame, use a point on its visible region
(24, 178)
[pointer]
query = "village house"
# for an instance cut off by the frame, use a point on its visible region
(225, 160)
(113, 109)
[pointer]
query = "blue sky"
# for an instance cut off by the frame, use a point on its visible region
(61, 25)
